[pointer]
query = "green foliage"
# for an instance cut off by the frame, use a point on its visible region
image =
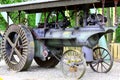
(118, 29)
(118, 35)
(31, 20)
(15, 15)
(9, 1)
(118, 11)
(3, 24)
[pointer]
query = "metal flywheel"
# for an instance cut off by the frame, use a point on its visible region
(18, 47)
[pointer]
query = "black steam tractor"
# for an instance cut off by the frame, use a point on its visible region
(44, 44)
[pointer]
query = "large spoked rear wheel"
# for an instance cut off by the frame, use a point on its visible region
(1, 55)
(103, 60)
(51, 61)
(18, 47)
(73, 64)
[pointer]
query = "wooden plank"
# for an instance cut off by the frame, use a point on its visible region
(119, 51)
(111, 49)
(34, 6)
(46, 5)
(115, 51)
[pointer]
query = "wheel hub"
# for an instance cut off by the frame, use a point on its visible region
(73, 69)
(100, 60)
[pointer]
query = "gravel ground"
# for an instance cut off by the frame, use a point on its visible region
(37, 73)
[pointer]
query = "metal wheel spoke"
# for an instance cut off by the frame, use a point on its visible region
(97, 66)
(75, 74)
(104, 66)
(105, 56)
(66, 58)
(101, 67)
(106, 63)
(96, 54)
(18, 53)
(79, 63)
(100, 54)
(103, 52)
(106, 59)
(17, 39)
(10, 42)
(11, 54)
(63, 63)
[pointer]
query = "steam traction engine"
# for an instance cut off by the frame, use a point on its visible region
(45, 43)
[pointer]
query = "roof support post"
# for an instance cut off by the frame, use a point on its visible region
(37, 19)
(116, 21)
(103, 6)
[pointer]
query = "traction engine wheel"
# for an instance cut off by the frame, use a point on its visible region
(103, 60)
(1, 55)
(50, 62)
(18, 47)
(73, 64)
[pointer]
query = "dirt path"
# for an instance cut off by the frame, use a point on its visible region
(37, 73)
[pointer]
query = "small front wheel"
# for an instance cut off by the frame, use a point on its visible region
(73, 64)
(103, 60)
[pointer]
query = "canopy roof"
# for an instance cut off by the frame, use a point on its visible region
(47, 5)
